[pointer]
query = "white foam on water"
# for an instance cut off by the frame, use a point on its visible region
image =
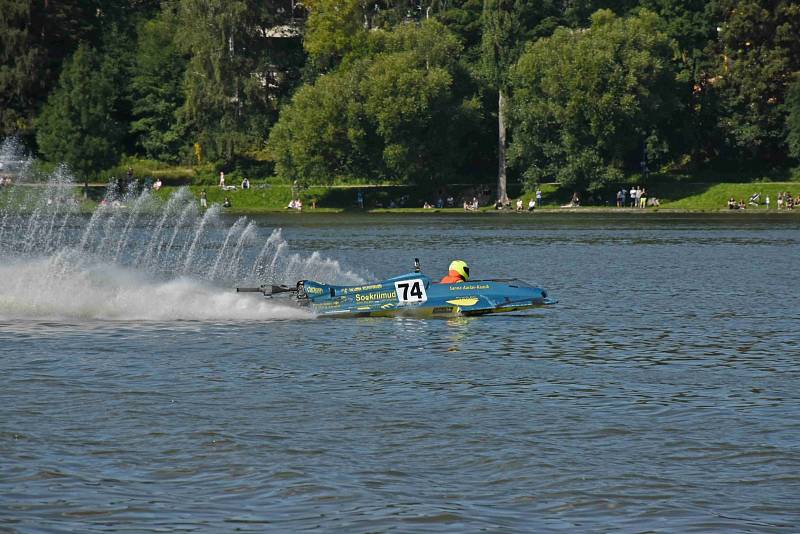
(58, 287)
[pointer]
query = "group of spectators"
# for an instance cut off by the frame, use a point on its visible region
(784, 201)
(636, 197)
(734, 204)
(245, 183)
(440, 203)
(5, 180)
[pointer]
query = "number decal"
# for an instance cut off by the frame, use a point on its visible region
(410, 291)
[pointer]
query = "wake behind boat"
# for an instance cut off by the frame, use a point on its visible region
(413, 294)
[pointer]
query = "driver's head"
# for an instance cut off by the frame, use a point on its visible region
(461, 267)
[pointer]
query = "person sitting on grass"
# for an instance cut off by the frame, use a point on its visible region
(226, 203)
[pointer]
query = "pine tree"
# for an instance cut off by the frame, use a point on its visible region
(76, 125)
(35, 37)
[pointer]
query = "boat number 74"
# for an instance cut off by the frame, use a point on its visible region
(410, 291)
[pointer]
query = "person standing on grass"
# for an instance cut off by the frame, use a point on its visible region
(203, 199)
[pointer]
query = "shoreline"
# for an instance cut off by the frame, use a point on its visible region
(632, 212)
(273, 200)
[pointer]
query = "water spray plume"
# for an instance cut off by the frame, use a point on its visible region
(135, 257)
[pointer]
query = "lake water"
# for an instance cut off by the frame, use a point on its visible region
(139, 392)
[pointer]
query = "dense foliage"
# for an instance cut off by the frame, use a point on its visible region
(411, 91)
(587, 102)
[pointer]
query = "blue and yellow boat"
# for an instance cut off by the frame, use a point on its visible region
(413, 294)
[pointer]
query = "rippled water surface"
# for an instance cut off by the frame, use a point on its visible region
(662, 393)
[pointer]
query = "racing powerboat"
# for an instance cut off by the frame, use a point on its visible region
(412, 294)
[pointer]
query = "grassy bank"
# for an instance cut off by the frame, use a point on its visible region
(269, 198)
(697, 197)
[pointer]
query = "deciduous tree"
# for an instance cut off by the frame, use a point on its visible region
(585, 101)
(759, 50)
(793, 118)
(393, 115)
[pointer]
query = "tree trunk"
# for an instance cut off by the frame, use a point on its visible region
(501, 148)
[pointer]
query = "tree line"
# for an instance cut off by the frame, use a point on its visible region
(582, 92)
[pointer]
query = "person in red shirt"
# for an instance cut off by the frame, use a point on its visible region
(459, 272)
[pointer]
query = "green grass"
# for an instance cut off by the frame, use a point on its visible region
(267, 196)
(710, 197)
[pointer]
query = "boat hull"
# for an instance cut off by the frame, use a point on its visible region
(417, 295)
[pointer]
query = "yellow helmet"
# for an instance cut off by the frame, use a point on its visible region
(461, 267)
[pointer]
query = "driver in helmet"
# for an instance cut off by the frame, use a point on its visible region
(459, 272)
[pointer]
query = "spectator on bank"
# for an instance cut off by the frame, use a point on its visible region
(519, 204)
(539, 197)
(226, 203)
(203, 199)
(574, 202)
(245, 183)
(221, 180)
(531, 204)
(620, 197)
(157, 184)
(766, 201)
(643, 198)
